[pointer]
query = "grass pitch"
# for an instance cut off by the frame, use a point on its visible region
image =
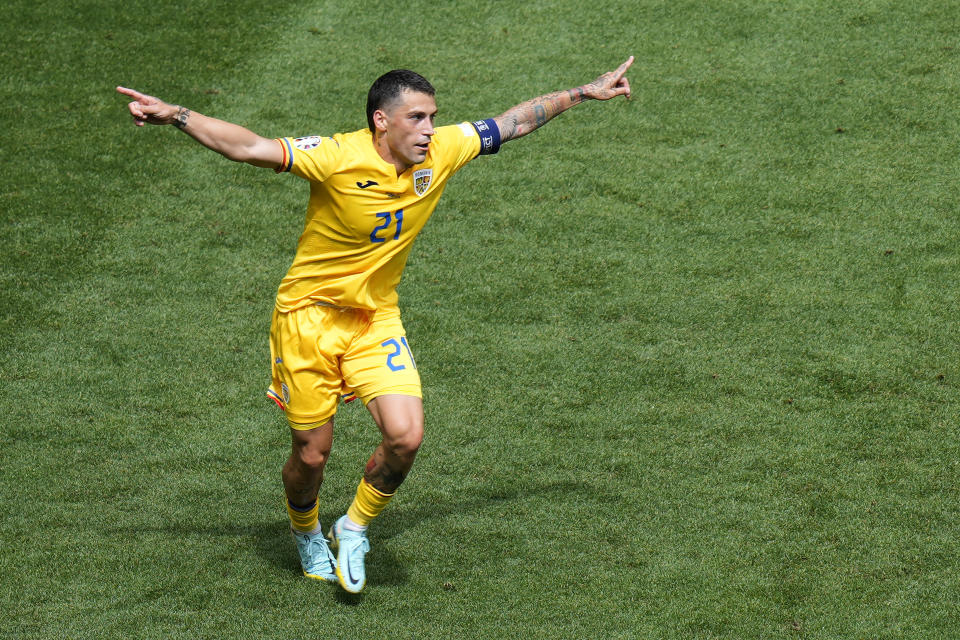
(689, 361)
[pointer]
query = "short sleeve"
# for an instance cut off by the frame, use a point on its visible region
(311, 157)
(459, 144)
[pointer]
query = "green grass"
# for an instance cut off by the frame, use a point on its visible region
(690, 362)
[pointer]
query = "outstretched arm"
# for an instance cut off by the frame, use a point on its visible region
(532, 114)
(230, 140)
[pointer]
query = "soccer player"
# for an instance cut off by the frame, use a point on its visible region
(336, 331)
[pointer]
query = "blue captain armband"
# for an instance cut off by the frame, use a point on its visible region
(489, 134)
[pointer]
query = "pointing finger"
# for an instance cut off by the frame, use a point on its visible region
(622, 69)
(136, 95)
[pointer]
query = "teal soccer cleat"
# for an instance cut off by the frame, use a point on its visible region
(315, 557)
(351, 547)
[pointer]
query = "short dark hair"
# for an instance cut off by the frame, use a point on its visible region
(390, 85)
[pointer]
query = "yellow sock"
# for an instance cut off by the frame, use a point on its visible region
(368, 504)
(305, 520)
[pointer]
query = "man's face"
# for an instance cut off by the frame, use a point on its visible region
(408, 124)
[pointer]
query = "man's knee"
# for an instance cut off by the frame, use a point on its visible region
(311, 448)
(404, 435)
(313, 457)
(400, 419)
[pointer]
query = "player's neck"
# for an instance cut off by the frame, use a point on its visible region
(383, 149)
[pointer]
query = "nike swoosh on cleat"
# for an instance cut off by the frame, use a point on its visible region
(350, 575)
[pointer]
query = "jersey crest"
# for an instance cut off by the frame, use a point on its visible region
(421, 180)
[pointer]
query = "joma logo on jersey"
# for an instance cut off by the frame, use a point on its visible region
(421, 180)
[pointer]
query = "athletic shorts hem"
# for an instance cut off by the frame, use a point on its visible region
(400, 390)
(305, 423)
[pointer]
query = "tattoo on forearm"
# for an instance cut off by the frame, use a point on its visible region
(180, 120)
(508, 127)
(533, 114)
(540, 114)
(576, 95)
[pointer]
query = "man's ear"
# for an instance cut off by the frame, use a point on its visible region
(380, 120)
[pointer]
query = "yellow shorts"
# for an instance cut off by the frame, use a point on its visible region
(322, 353)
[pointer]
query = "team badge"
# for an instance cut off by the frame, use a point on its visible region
(286, 392)
(305, 144)
(421, 180)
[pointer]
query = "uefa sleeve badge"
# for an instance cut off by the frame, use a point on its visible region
(307, 143)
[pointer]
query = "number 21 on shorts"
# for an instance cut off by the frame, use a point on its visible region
(398, 351)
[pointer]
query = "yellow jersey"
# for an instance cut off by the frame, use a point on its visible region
(362, 218)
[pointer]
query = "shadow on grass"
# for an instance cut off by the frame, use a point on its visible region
(395, 521)
(271, 539)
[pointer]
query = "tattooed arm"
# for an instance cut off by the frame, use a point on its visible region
(532, 114)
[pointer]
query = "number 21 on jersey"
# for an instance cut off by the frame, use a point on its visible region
(389, 220)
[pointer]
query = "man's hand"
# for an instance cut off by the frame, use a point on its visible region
(147, 109)
(610, 84)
